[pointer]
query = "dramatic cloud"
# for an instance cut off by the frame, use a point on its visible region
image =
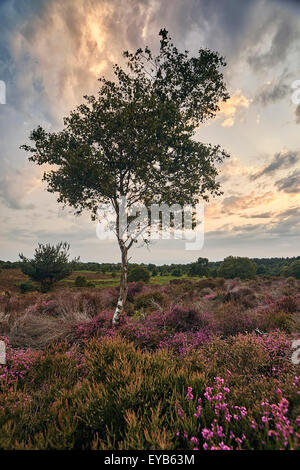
(274, 91)
(277, 36)
(232, 108)
(53, 52)
(284, 159)
(290, 184)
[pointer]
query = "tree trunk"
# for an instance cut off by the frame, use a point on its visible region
(123, 286)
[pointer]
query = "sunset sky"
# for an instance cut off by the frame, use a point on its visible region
(51, 54)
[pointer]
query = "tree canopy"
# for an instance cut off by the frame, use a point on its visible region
(236, 266)
(49, 264)
(136, 138)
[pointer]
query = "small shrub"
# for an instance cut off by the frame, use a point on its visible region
(80, 281)
(26, 286)
(138, 273)
(134, 288)
(149, 299)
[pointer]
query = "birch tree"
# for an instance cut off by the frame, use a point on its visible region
(136, 139)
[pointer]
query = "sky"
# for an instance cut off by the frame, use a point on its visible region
(53, 52)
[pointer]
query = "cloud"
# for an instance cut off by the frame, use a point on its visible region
(233, 108)
(284, 159)
(290, 184)
(262, 215)
(52, 53)
(16, 184)
(277, 34)
(273, 91)
(233, 204)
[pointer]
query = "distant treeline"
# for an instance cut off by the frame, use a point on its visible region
(265, 267)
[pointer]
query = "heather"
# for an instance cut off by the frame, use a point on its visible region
(193, 365)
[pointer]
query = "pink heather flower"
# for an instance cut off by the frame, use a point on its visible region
(189, 395)
(194, 440)
(223, 446)
(296, 380)
(205, 446)
(198, 412)
(180, 413)
(206, 433)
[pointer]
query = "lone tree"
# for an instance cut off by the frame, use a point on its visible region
(49, 264)
(135, 139)
(199, 268)
(236, 266)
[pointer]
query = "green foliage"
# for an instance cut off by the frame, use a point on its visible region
(154, 271)
(232, 267)
(49, 264)
(143, 301)
(135, 138)
(26, 286)
(176, 273)
(80, 281)
(142, 125)
(138, 273)
(293, 270)
(111, 396)
(200, 268)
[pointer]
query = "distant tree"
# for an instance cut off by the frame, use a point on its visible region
(232, 267)
(49, 264)
(176, 272)
(155, 271)
(293, 270)
(199, 268)
(139, 273)
(80, 281)
(136, 140)
(261, 270)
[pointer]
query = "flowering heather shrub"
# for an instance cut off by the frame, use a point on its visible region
(182, 343)
(98, 326)
(18, 363)
(149, 300)
(17, 303)
(278, 347)
(109, 395)
(180, 318)
(217, 425)
(288, 304)
(143, 334)
(232, 319)
(134, 288)
(278, 313)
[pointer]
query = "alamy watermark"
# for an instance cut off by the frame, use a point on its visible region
(296, 93)
(2, 352)
(296, 352)
(158, 221)
(2, 92)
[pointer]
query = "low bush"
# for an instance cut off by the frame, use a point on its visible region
(111, 396)
(26, 286)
